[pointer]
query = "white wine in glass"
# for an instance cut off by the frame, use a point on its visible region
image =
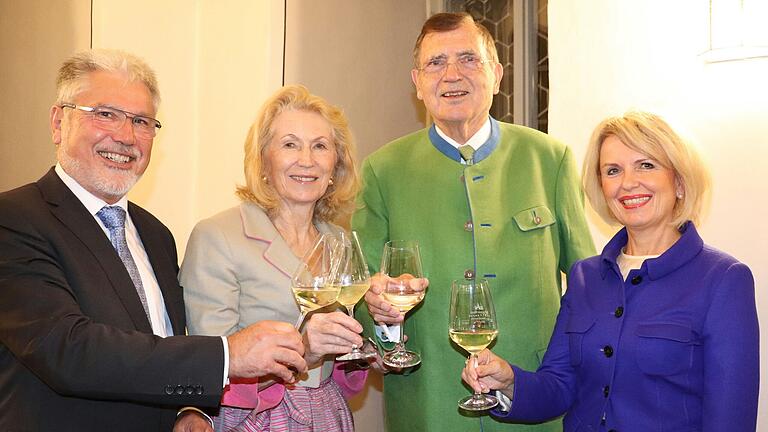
(404, 301)
(400, 263)
(354, 280)
(312, 282)
(472, 326)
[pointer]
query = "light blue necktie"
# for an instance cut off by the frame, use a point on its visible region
(113, 218)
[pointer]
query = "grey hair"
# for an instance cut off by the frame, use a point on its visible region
(73, 74)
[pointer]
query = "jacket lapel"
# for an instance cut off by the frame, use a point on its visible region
(257, 226)
(70, 211)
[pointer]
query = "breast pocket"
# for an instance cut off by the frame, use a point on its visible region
(665, 348)
(576, 327)
(534, 218)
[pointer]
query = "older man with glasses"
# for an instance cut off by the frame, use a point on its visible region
(484, 199)
(91, 315)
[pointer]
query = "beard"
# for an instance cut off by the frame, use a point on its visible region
(103, 182)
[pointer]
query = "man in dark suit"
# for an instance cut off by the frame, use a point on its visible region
(91, 314)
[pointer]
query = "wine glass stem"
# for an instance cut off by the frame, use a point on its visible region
(351, 312)
(473, 359)
(302, 315)
(401, 342)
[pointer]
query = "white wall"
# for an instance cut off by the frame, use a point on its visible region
(216, 63)
(607, 56)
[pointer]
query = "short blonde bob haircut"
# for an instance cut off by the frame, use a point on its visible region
(650, 135)
(337, 202)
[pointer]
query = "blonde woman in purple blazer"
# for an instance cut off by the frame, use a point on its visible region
(660, 331)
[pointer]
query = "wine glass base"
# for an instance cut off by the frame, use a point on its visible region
(402, 359)
(356, 355)
(478, 402)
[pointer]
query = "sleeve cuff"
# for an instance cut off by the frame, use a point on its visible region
(225, 380)
(387, 333)
(505, 402)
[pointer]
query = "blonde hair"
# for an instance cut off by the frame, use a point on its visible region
(650, 135)
(73, 73)
(337, 201)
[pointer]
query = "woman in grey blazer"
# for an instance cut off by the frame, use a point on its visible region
(300, 176)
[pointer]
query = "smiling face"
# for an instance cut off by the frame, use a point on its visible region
(457, 100)
(640, 192)
(300, 159)
(107, 164)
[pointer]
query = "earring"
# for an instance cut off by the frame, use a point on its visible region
(679, 195)
(330, 181)
(265, 179)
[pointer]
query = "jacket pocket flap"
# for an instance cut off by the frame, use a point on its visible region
(534, 217)
(669, 331)
(579, 323)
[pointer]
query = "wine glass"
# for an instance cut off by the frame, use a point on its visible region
(312, 281)
(400, 263)
(354, 279)
(473, 327)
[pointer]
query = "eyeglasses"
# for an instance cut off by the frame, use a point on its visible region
(465, 63)
(112, 119)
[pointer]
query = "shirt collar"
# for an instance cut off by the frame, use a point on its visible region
(451, 151)
(478, 139)
(89, 200)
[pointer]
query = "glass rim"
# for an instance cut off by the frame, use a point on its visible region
(401, 244)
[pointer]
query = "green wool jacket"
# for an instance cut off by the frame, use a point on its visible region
(515, 217)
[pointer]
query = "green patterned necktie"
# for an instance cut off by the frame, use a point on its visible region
(467, 152)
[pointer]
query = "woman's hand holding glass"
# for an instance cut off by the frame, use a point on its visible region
(490, 372)
(330, 333)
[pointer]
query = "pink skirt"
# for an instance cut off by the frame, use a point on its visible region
(303, 409)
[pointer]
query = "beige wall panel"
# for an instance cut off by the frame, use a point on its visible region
(608, 56)
(358, 55)
(35, 36)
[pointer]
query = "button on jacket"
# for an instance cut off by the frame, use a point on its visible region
(683, 337)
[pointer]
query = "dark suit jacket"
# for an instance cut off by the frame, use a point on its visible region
(77, 352)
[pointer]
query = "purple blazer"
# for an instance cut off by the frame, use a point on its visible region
(675, 347)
